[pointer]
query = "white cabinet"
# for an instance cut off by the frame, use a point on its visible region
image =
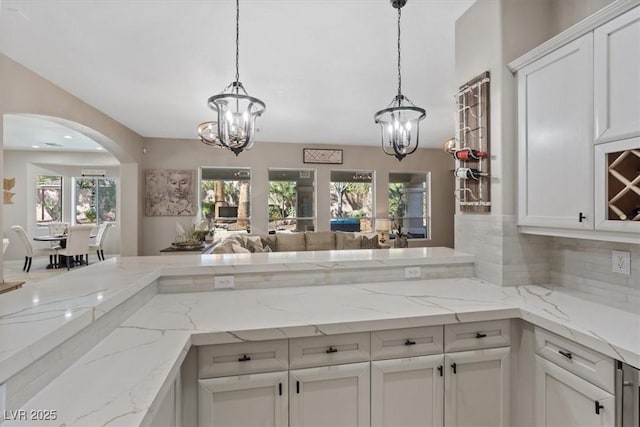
(555, 106)
(330, 396)
(244, 400)
(407, 392)
(584, 93)
(617, 77)
(563, 399)
(477, 388)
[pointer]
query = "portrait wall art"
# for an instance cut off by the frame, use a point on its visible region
(170, 192)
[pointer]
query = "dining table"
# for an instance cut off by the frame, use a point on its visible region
(62, 238)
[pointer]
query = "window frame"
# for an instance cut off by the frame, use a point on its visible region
(61, 202)
(426, 203)
(371, 217)
(297, 218)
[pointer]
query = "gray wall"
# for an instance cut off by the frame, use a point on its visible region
(489, 35)
(191, 154)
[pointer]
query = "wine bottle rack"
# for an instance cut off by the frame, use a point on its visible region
(623, 185)
(472, 133)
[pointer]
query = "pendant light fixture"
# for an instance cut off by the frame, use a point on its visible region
(237, 111)
(400, 120)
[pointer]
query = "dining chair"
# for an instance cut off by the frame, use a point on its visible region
(55, 229)
(101, 238)
(77, 243)
(25, 238)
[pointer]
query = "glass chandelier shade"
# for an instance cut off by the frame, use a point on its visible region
(237, 114)
(237, 111)
(400, 121)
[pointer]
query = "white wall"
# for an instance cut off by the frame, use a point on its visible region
(191, 154)
(24, 166)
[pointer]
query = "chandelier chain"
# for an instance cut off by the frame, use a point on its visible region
(399, 74)
(237, 41)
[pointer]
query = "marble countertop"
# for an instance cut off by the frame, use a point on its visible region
(37, 318)
(135, 364)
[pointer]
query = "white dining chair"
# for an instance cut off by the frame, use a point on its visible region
(101, 238)
(25, 238)
(56, 229)
(77, 243)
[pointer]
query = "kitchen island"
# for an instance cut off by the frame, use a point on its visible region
(125, 326)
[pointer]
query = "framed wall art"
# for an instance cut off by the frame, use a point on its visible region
(322, 156)
(170, 192)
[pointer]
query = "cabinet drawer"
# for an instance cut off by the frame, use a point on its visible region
(400, 343)
(223, 360)
(476, 335)
(329, 350)
(582, 361)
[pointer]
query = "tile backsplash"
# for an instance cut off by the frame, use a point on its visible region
(585, 266)
(506, 257)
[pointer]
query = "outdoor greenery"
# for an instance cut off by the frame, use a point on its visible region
(95, 200)
(282, 200)
(351, 199)
(48, 199)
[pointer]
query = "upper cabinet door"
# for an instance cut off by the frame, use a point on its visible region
(555, 112)
(617, 78)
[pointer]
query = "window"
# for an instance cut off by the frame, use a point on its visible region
(48, 199)
(95, 200)
(351, 200)
(291, 200)
(409, 203)
(225, 198)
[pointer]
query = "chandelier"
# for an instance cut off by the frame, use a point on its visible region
(399, 122)
(237, 111)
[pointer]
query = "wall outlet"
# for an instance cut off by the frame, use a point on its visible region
(621, 262)
(412, 273)
(223, 282)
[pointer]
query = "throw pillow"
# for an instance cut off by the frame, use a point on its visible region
(369, 243)
(268, 242)
(287, 242)
(320, 240)
(237, 249)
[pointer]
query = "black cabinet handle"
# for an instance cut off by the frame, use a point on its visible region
(332, 349)
(298, 387)
(599, 407)
(440, 370)
(581, 217)
(244, 358)
(566, 354)
(409, 342)
(280, 389)
(480, 335)
(454, 366)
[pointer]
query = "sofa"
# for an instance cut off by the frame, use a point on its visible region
(288, 242)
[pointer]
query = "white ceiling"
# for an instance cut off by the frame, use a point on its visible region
(23, 132)
(322, 67)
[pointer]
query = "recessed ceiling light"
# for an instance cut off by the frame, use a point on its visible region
(99, 148)
(68, 137)
(35, 146)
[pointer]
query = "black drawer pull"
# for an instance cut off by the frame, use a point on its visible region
(581, 217)
(454, 366)
(409, 342)
(280, 389)
(244, 358)
(298, 387)
(440, 370)
(332, 349)
(480, 335)
(566, 354)
(599, 407)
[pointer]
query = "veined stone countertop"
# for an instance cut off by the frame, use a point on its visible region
(132, 367)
